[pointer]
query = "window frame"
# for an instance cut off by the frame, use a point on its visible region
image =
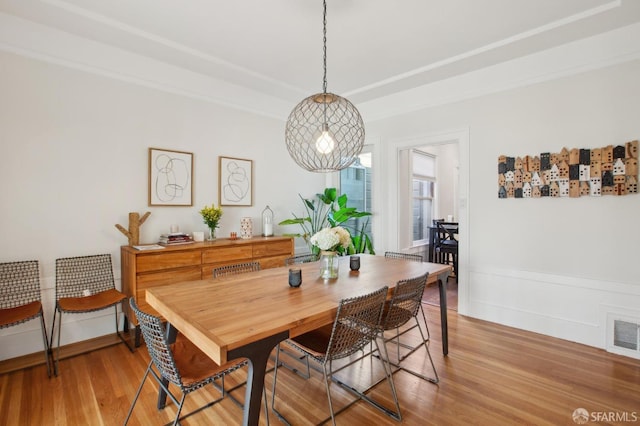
(422, 177)
(367, 149)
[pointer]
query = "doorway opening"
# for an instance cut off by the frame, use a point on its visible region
(448, 200)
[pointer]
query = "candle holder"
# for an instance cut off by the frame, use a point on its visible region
(295, 277)
(354, 263)
(267, 222)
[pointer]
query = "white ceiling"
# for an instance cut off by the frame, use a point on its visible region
(375, 47)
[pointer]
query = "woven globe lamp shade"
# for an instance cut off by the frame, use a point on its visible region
(324, 133)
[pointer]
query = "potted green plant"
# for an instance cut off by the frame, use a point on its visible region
(329, 210)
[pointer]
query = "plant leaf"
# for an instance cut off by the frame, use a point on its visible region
(293, 235)
(296, 221)
(328, 196)
(342, 201)
(343, 214)
(331, 194)
(370, 245)
(309, 204)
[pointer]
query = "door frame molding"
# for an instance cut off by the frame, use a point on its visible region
(392, 219)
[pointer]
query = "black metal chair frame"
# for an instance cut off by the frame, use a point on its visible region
(166, 370)
(357, 324)
(21, 298)
(81, 282)
(238, 268)
(404, 307)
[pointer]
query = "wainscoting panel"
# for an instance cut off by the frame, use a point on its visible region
(570, 308)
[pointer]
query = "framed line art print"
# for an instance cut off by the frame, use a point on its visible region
(170, 178)
(235, 180)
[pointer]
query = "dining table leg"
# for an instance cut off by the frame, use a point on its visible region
(258, 355)
(442, 286)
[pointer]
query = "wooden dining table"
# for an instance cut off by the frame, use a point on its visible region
(247, 315)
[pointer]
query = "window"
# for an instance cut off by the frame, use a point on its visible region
(423, 194)
(355, 182)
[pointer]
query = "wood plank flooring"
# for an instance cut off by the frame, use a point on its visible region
(494, 375)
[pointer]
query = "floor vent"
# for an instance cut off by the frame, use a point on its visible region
(623, 336)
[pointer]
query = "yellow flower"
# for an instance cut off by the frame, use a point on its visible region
(211, 215)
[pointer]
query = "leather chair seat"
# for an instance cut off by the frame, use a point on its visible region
(193, 364)
(20, 313)
(91, 303)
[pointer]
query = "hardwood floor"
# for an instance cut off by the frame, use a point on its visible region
(494, 375)
(431, 295)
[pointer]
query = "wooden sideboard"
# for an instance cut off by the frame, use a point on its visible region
(143, 269)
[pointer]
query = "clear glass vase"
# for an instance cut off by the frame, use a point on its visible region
(329, 264)
(212, 234)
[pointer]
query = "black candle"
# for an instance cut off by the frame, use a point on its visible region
(354, 263)
(295, 277)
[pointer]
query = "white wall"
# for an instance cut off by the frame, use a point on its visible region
(551, 265)
(74, 150)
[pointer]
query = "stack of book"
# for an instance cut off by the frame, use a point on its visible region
(175, 238)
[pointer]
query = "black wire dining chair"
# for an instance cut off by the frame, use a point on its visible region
(180, 363)
(415, 258)
(20, 298)
(238, 268)
(404, 307)
(85, 284)
(357, 324)
(407, 256)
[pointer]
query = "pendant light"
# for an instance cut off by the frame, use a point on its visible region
(324, 132)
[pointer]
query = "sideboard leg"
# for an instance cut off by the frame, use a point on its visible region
(138, 341)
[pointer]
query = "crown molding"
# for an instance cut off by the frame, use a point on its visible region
(29, 39)
(40, 42)
(604, 50)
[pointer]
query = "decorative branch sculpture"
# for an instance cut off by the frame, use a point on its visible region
(133, 234)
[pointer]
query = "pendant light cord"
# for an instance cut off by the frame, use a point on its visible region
(324, 43)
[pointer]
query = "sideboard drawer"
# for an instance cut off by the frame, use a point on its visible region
(159, 279)
(155, 279)
(226, 254)
(272, 262)
(160, 261)
(272, 249)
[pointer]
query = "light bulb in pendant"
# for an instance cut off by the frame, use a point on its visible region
(325, 142)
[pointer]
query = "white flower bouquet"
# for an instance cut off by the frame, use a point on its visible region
(332, 239)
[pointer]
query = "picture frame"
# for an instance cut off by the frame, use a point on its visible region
(170, 177)
(235, 181)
